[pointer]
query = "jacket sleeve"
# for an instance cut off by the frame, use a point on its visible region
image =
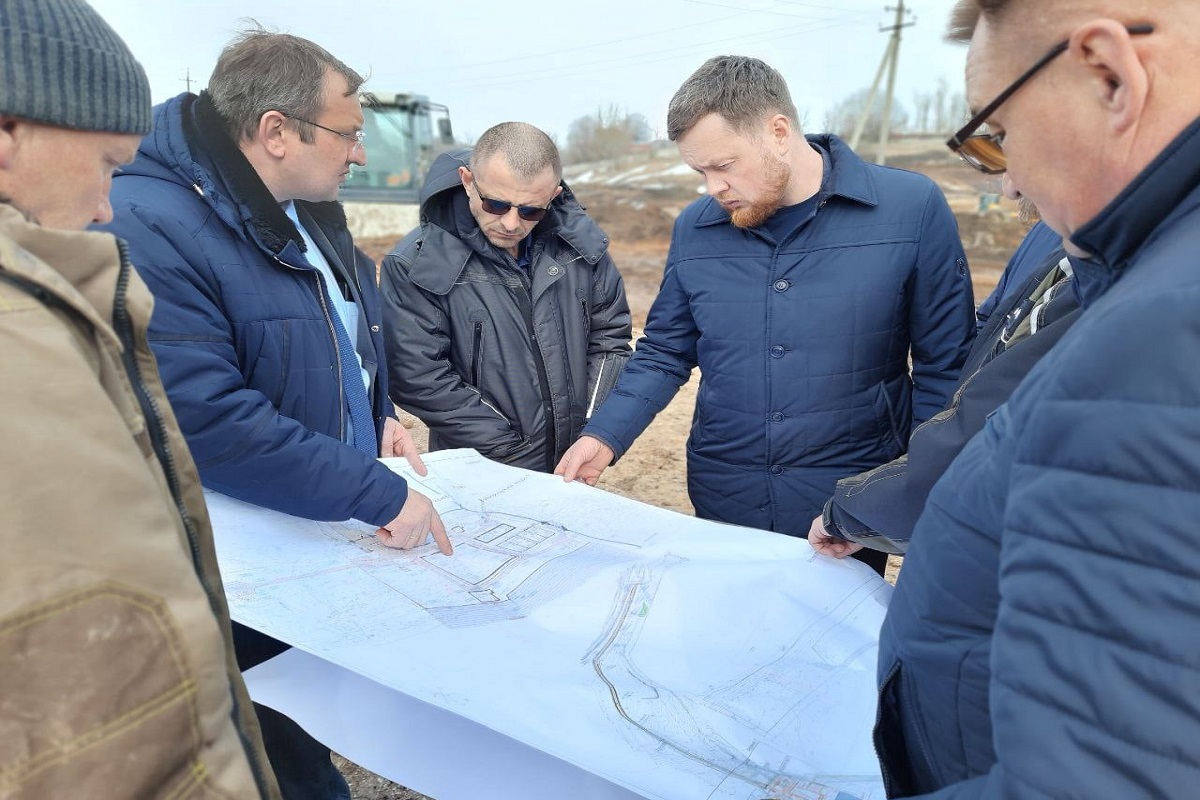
(875, 509)
(610, 330)
(242, 445)
(1094, 668)
(662, 362)
(421, 378)
(879, 508)
(941, 310)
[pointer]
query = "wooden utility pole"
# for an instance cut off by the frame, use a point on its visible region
(889, 62)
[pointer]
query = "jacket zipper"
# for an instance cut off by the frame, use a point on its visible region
(337, 349)
(889, 787)
(525, 301)
(157, 431)
(476, 354)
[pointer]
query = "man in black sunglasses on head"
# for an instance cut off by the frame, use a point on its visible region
(505, 318)
(1041, 642)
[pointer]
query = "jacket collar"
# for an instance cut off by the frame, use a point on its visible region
(1115, 235)
(260, 213)
(846, 176)
(79, 267)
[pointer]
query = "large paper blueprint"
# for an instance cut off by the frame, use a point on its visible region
(674, 657)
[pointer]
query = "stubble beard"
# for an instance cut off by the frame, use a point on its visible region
(777, 174)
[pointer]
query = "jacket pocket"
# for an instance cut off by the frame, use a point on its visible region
(897, 755)
(477, 318)
(476, 353)
(98, 680)
(586, 316)
(894, 428)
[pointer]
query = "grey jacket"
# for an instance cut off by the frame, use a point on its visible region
(490, 355)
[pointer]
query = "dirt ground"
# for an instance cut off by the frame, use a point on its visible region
(653, 469)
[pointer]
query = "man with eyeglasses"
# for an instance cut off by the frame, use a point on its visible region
(1041, 639)
(506, 319)
(800, 287)
(266, 323)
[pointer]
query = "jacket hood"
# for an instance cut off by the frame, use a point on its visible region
(446, 216)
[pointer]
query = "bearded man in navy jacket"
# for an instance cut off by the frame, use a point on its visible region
(801, 287)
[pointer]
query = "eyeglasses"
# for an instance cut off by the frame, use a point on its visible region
(985, 151)
(499, 208)
(355, 138)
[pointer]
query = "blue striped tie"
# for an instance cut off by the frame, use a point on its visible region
(356, 393)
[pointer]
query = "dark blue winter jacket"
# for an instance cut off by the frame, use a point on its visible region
(242, 328)
(879, 508)
(1042, 639)
(802, 344)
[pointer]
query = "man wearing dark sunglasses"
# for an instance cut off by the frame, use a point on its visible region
(1040, 641)
(505, 318)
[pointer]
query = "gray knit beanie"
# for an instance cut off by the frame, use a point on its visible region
(61, 64)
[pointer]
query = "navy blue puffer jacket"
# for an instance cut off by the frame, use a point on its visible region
(803, 345)
(1042, 640)
(240, 327)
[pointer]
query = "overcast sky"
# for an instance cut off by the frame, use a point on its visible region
(549, 63)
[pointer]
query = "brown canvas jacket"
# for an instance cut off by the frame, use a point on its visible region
(117, 676)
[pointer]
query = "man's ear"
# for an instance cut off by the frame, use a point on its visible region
(272, 133)
(463, 172)
(780, 131)
(1118, 78)
(11, 130)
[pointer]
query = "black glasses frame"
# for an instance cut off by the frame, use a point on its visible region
(960, 140)
(355, 138)
(498, 208)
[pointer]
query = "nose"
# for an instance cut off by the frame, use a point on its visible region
(358, 154)
(714, 184)
(1009, 188)
(511, 220)
(104, 212)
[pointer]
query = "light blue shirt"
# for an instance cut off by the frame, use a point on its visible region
(347, 310)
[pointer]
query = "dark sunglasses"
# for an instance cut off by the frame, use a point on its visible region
(499, 208)
(985, 151)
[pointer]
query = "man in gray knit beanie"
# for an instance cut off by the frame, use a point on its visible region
(72, 97)
(117, 676)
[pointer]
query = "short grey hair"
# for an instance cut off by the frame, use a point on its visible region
(741, 89)
(966, 14)
(528, 150)
(261, 71)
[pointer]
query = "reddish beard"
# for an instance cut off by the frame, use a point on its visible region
(776, 174)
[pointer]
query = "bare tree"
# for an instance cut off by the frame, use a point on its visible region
(606, 134)
(843, 116)
(923, 112)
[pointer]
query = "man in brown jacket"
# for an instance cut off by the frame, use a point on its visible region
(117, 676)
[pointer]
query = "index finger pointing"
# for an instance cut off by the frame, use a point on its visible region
(439, 535)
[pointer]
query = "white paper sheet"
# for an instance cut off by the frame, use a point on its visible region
(674, 657)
